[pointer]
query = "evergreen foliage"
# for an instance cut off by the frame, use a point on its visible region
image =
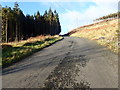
(16, 26)
(110, 16)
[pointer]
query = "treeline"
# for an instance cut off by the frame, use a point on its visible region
(110, 16)
(16, 26)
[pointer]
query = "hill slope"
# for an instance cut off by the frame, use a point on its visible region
(104, 32)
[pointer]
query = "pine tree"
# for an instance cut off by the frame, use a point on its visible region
(16, 26)
(16, 15)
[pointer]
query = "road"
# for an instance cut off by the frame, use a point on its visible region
(71, 63)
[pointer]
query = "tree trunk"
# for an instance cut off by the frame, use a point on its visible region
(6, 29)
(16, 39)
(50, 28)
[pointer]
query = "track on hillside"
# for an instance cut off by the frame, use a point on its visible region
(71, 63)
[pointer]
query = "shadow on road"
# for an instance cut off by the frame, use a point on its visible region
(41, 64)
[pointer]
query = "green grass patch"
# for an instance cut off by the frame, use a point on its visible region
(11, 54)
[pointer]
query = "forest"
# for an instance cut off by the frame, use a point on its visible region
(110, 16)
(16, 26)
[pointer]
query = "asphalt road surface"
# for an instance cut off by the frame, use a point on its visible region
(70, 63)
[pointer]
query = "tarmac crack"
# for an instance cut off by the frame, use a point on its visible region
(64, 74)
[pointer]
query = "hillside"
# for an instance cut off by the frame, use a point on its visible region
(104, 32)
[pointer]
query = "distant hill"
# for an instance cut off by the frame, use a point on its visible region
(104, 32)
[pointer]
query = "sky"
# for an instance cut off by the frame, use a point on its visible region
(72, 13)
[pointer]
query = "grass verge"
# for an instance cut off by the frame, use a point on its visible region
(17, 51)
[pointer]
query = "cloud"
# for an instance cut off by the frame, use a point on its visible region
(73, 19)
(45, 0)
(96, 1)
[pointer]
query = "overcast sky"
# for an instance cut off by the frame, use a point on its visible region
(72, 13)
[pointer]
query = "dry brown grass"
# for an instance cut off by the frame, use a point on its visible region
(30, 40)
(105, 33)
